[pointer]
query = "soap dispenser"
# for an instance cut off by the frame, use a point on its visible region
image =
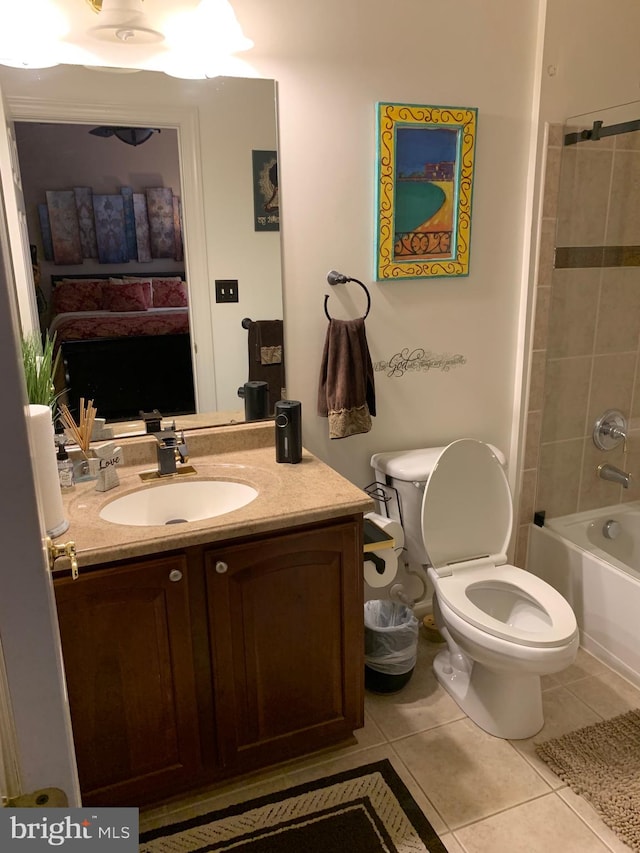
(65, 469)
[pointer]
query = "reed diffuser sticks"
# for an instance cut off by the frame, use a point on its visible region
(80, 432)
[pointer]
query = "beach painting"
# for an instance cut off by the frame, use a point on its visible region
(424, 190)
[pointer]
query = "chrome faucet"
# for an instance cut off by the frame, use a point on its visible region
(171, 450)
(614, 475)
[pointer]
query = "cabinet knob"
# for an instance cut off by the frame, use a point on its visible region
(175, 575)
(221, 567)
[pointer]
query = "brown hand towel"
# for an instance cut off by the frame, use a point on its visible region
(266, 357)
(346, 394)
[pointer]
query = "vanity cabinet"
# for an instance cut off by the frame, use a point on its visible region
(203, 664)
(125, 634)
(286, 643)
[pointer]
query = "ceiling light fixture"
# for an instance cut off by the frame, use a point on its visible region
(130, 135)
(183, 39)
(125, 21)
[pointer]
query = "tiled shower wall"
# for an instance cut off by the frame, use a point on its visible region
(586, 341)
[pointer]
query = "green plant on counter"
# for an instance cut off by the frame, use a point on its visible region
(40, 366)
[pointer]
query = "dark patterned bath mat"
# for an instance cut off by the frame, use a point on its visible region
(366, 810)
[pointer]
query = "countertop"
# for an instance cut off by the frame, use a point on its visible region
(288, 496)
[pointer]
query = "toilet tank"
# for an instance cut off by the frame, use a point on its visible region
(405, 474)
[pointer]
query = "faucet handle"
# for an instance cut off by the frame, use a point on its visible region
(182, 447)
(609, 430)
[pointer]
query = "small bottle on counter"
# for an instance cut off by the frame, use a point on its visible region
(65, 469)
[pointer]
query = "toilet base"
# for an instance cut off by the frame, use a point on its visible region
(506, 706)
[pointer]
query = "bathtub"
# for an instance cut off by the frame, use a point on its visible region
(599, 577)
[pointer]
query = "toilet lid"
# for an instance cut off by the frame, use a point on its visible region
(467, 511)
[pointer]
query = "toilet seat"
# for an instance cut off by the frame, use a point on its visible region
(467, 515)
(533, 613)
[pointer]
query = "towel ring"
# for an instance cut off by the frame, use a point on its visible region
(334, 277)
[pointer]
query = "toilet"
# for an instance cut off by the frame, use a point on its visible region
(503, 626)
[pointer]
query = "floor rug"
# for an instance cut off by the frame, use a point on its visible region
(602, 763)
(366, 810)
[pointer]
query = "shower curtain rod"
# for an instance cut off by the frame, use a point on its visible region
(598, 131)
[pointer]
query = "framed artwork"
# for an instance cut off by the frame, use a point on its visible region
(65, 230)
(108, 212)
(162, 234)
(424, 189)
(266, 204)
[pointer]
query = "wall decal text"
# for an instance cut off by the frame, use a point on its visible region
(418, 360)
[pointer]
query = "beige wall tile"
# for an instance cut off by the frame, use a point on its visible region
(611, 385)
(565, 398)
(522, 546)
(583, 196)
(559, 477)
(546, 252)
(573, 312)
(632, 465)
(623, 223)
(536, 384)
(532, 440)
(555, 135)
(551, 182)
(635, 400)
(541, 324)
(627, 141)
(618, 327)
(527, 496)
(595, 492)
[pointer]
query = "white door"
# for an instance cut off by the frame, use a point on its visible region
(17, 224)
(35, 728)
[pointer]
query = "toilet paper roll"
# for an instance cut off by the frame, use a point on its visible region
(380, 567)
(40, 425)
(390, 527)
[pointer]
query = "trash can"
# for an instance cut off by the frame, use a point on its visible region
(390, 645)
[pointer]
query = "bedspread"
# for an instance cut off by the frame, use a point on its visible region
(84, 325)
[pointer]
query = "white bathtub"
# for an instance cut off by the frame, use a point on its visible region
(599, 577)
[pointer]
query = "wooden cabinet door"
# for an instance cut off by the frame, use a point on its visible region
(286, 623)
(129, 668)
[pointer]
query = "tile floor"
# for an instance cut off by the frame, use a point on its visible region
(481, 794)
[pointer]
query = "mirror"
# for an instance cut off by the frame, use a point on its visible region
(216, 125)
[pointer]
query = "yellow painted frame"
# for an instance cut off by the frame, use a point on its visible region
(424, 253)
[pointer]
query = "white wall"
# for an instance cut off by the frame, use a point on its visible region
(334, 61)
(590, 56)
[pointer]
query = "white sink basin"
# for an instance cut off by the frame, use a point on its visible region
(172, 503)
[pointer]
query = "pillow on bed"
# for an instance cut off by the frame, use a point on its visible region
(169, 292)
(120, 295)
(80, 294)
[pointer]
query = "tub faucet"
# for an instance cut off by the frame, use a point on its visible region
(614, 475)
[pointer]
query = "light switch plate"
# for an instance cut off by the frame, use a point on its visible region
(226, 290)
